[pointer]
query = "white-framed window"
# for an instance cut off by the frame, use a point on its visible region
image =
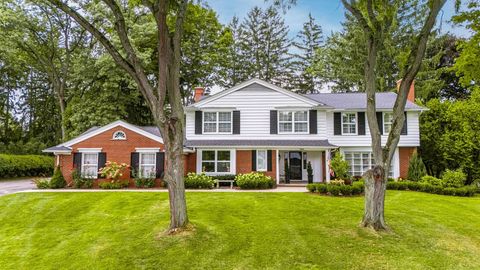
(147, 165)
(217, 122)
(216, 161)
(262, 159)
(360, 162)
(293, 122)
(89, 165)
(119, 135)
(387, 122)
(349, 123)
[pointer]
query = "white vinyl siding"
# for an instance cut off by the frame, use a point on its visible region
(89, 165)
(255, 103)
(411, 139)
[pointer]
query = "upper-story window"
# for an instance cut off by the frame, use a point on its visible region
(119, 135)
(217, 122)
(293, 121)
(387, 122)
(349, 123)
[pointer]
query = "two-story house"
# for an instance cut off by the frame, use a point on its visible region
(254, 126)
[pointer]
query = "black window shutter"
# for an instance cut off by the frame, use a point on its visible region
(254, 160)
(236, 122)
(102, 159)
(269, 160)
(404, 128)
(77, 161)
(160, 163)
(380, 121)
(134, 161)
(361, 123)
(313, 121)
(198, 122)
(337, 123)
(273, 122)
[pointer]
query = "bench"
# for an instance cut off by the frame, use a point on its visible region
(224, 181)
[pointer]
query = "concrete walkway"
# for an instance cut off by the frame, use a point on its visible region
(13, 186)
(26, 185)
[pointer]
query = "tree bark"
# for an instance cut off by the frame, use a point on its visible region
(375, 185)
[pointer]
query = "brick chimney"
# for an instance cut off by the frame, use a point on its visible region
(199, 91)
(411, 92)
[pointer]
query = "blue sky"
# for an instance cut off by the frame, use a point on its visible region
(328, 13)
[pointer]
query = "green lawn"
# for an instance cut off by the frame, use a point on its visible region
(236, 230)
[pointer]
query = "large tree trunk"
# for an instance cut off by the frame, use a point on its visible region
(176, 188)
(375, 186)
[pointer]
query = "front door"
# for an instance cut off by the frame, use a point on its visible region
(295, 165)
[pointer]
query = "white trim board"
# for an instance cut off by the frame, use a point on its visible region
(110, 126)
(260, 82)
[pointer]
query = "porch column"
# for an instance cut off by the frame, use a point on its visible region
(327, 168)
(277, 169)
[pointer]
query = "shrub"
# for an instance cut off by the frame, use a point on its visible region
(57, 180)
(194, 180)
(144, 182)
(416, 168)
(225, 177)
(432, 180)
(113, 170)
(339, 166)
(322, 188)
(434, 189)
(25, 165)
(254, 180)
(42, 183)
(338, 182)
(333, 189)
(114, 184)
(312, 187)
(358, 187)
(81, 182)
(346, 190)
(454, 178)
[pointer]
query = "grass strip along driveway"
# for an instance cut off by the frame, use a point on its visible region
(236, 231)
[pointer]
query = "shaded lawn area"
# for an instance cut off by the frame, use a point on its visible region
(236, 230)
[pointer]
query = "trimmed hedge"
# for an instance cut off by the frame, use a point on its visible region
(337, 189)
(254, 180)
(25, 165)
(199, 181)
(114, 184)
(466, 191)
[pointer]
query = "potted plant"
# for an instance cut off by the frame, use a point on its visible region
(310, 172)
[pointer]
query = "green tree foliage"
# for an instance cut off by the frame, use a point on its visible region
(339, 166)
(57, 180)
(416, 168)
(309, 40)
(467, 66)
(450, 136)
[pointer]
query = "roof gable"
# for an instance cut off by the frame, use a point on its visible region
(145, 131)
(265, 84)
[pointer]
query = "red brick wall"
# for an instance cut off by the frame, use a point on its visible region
(190, 163)
(116, 150)
(244, 163)
(405, 153)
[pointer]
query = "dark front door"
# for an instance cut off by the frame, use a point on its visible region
(295, 165)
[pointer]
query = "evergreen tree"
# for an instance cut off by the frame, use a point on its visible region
(310, 40)
(264, 46)
(416, 168)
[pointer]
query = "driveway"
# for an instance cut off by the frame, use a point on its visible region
(12, 186)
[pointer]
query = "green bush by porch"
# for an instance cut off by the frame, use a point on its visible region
(236, 231)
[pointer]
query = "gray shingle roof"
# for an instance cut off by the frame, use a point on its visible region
(384, 100)
(299, 143)
(151, 129)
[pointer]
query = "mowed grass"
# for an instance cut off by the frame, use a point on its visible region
(236, 231)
